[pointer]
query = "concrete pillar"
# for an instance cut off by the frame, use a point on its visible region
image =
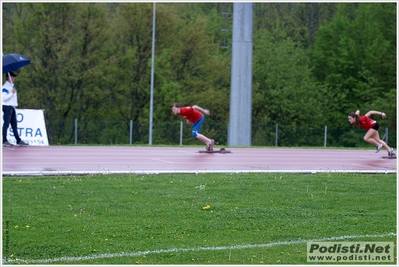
(239, 131)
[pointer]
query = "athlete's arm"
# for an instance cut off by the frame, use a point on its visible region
(374, 112)
(205, 111)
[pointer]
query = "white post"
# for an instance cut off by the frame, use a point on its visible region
(76, 131)
(131, 132)
(181, 133)
(152, 74)
(276, 134)
(325, 136)
(386, 135)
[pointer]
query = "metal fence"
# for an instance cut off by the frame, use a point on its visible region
(179, 133)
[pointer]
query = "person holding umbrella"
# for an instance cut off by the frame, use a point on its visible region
(9, 103)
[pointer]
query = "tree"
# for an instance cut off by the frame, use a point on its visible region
(68, 46)
(284, 90)
(352, 57)
(300, 21)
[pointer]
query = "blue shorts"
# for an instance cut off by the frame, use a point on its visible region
(197, 126)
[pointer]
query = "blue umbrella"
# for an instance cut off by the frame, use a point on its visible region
(12, 62)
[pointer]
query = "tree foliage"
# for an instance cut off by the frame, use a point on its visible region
(350, 57)
(284, 90)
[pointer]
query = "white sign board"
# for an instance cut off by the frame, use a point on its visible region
(31, 127)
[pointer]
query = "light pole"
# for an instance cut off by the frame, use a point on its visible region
(152, 73)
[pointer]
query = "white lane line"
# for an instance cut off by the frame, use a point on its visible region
(161, 160)
(176, 250)
(59, 172)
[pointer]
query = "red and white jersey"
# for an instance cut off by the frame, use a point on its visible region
(366, 122)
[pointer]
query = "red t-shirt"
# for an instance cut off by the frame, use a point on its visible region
(366, 122)
(191, 114)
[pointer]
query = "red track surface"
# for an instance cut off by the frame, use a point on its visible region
(54, 160)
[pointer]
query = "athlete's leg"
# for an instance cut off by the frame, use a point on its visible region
(203, 139)
(368, 137)
(195, 133)
(374, 135)
(196, 129)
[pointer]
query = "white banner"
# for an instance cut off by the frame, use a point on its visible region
(31, 127)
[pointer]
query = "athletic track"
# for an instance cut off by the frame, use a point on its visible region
(65, 160)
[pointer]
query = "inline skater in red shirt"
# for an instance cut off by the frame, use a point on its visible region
(194, 114)
(371, 126)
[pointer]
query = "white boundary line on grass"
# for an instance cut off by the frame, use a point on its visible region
(176, 250)
(56, 173)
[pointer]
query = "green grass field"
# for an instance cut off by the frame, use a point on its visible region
(190, 218)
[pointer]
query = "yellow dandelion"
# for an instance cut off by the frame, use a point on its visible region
(27, 227)
(16, 227)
